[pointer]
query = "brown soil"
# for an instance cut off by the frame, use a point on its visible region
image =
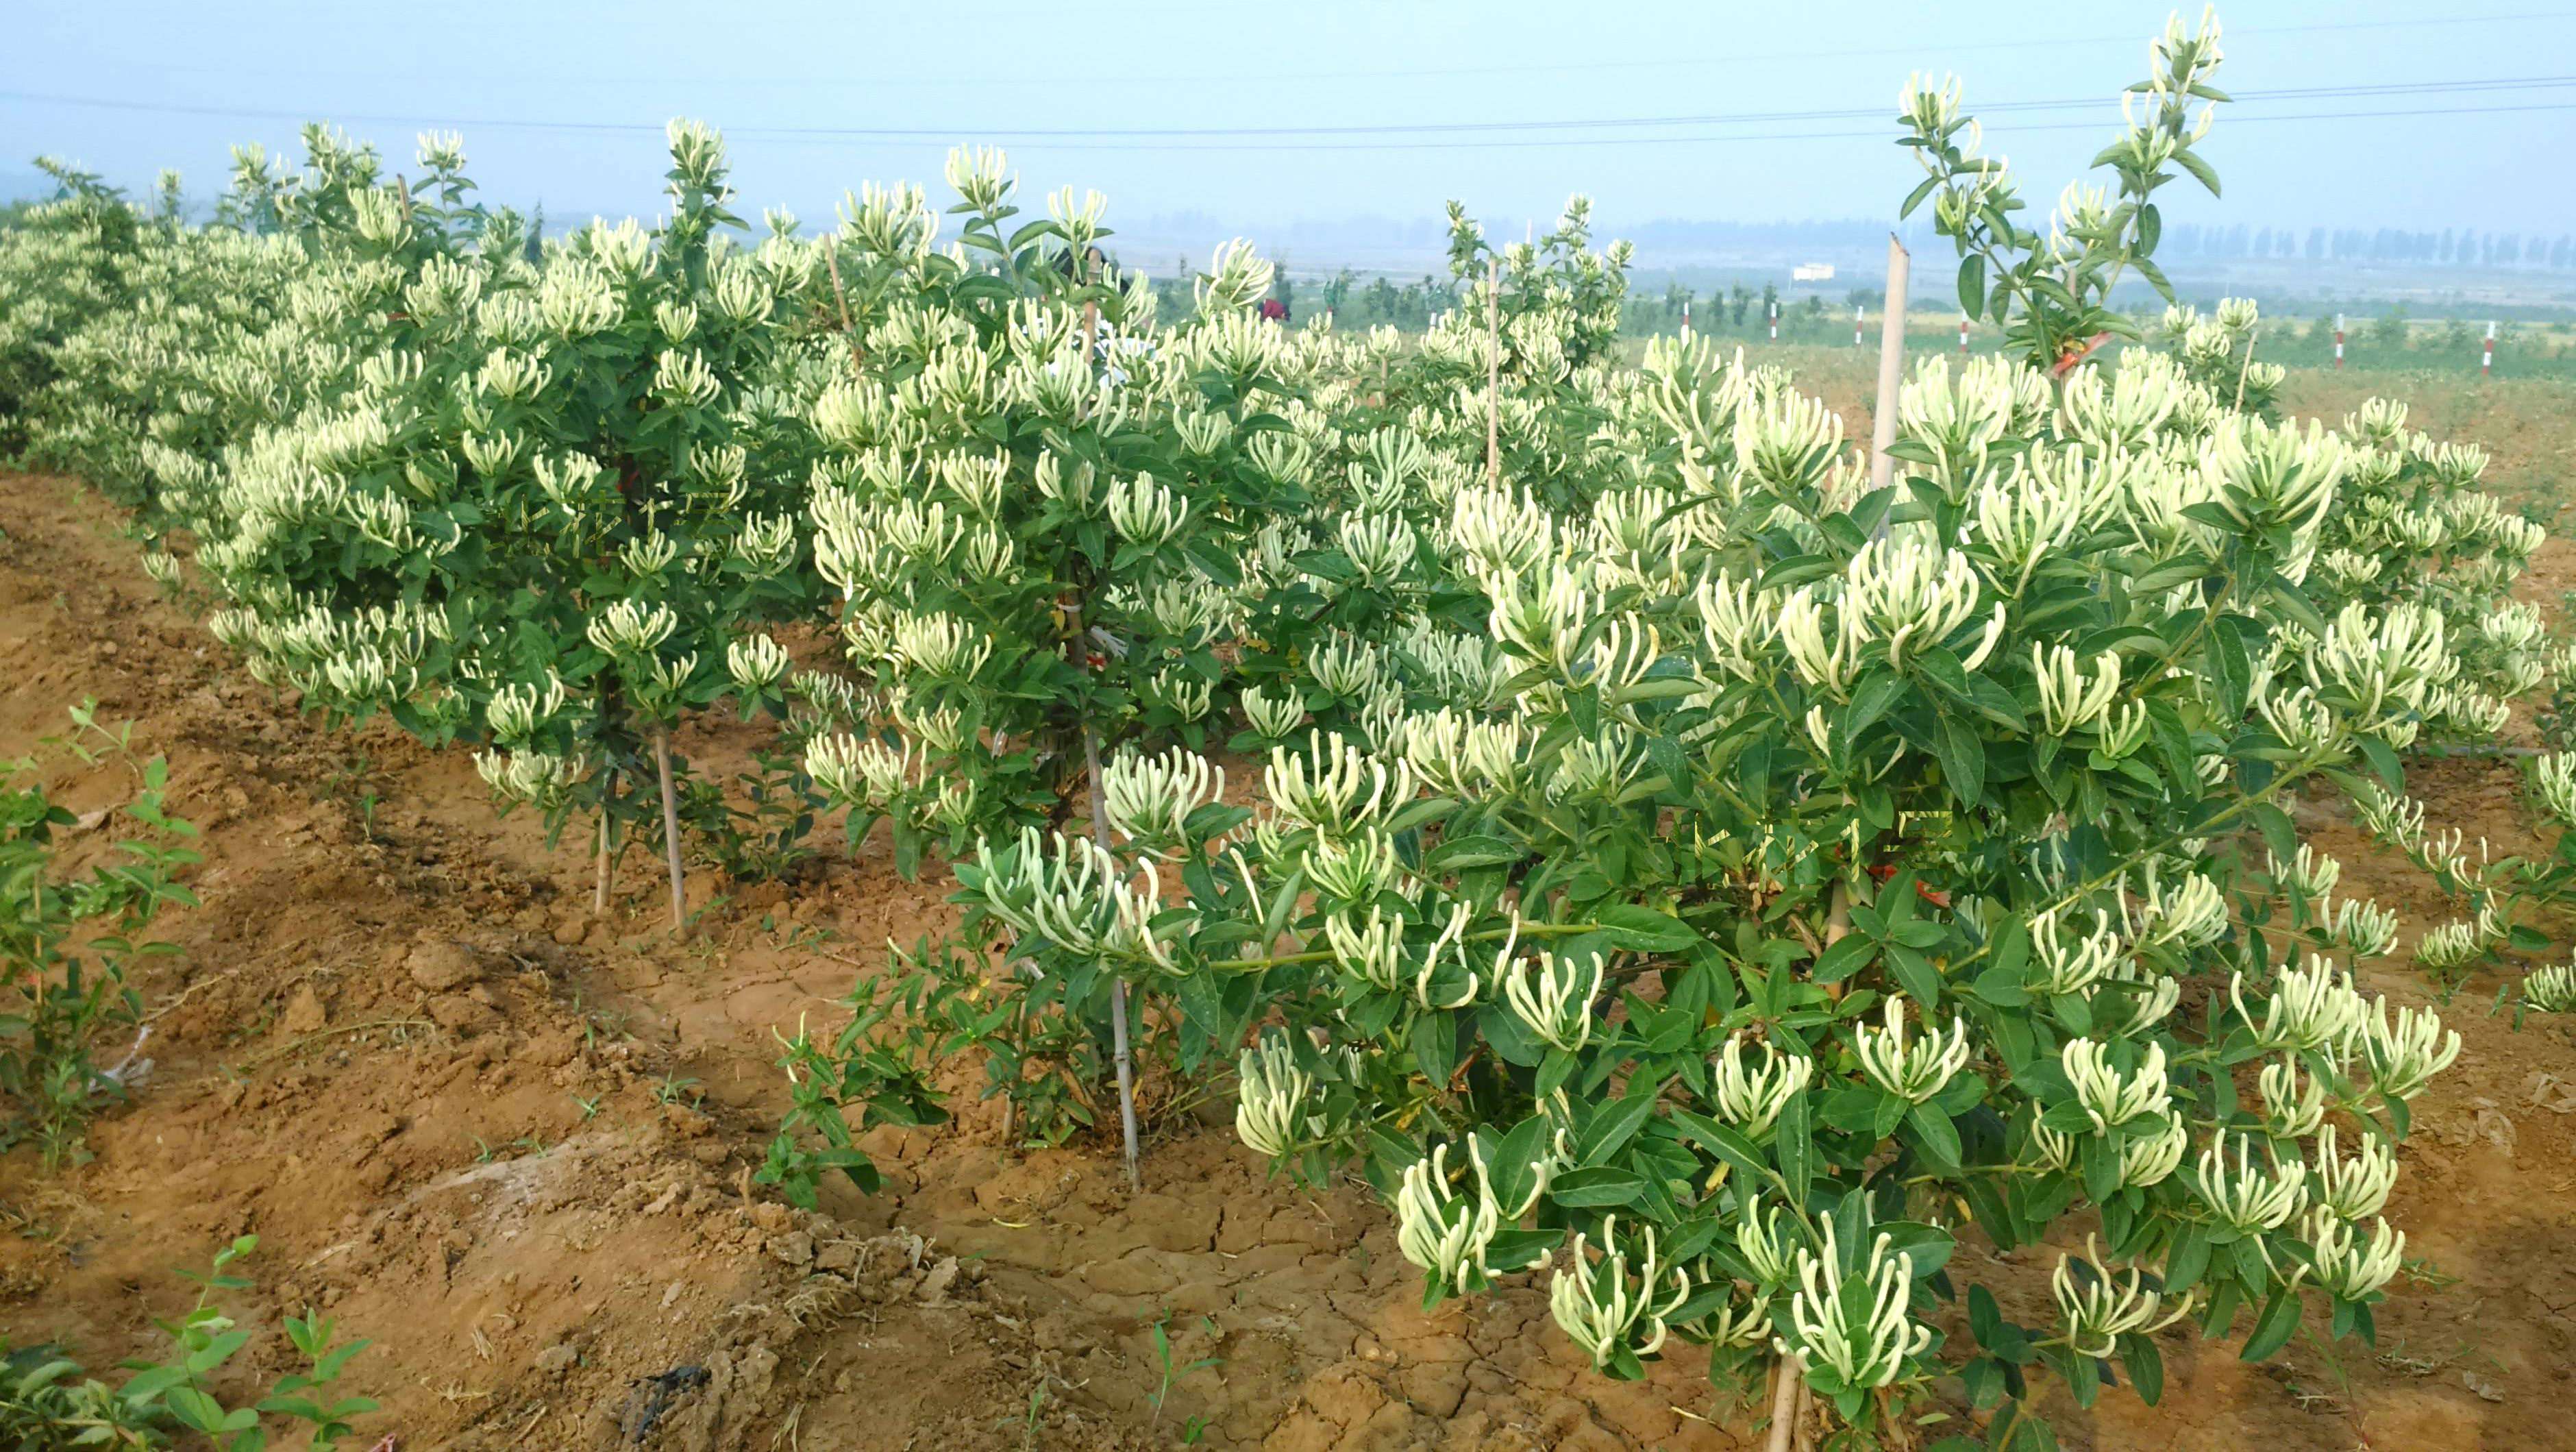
(399, 1049)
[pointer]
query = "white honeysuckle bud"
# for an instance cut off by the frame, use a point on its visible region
(1828, 666)
(685, 379)
(1150, 798)
(1732, 620)
(1450, 1236)
(519, 711)
(2364, 927)
(954, 807)
(2069, 699)
(1146, 513)
(1867, 1347)
(539, 778)
(2551, 989)
(1604, 1309)
(1751, 1098)
(2380, 666)
(1274, 1109)
(2149, 1159)
(648, 554)
(1333, 787)
(1556, 1003)
(1912, 1069)
(1273, 717)
(2187, 914)
(2244, 1198)
(2348, 1267)
(629, 628)
(2109, 1097)
(2355, 1188)
(2447, 946)
(2310, 1007)
(852, 772)
(756, 663)
(2312, 873)
(2405, 1055)
(1372, 948)
(2100, 1309)
(2292, 1107)
(1770, 1252)
(1354, 868)
(1915, 594)
(2554, 783)
(940, 645)
(2070, 964)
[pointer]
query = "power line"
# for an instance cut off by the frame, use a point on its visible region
(1239, 79)
(1226, 138)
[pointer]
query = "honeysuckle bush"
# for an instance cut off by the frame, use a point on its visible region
(1033, 502)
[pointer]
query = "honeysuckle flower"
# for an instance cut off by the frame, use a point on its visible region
(1275, 1106)
(2100, 1308)
(2309, 1008)
(2109, 1097)
(1867, 1345)
(1150, 798)
(1911, 1068)
(1555, 1002)
(2312, 873)
(2348, 1267)
(2069, 960)
(1751, 1098)
(2405, 1054)
(2292, 1107)
(2365, 928)
(2243, 1197)
(2551, 989)
(1770, 1252)
(2070, 698)
(1450, 1236)
(1333, 787)
(1605, 1309)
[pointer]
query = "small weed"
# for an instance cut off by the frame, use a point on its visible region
(1175, 1372)
(589, 1107)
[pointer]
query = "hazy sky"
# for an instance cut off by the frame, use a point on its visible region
(129, 86)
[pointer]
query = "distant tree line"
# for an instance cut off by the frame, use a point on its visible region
(2452, 246)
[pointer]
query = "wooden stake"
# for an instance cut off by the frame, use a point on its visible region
(832, 262)
(1125, 1060)
(1786, 1384)
(1117, 987)
(599, 890)
(1493, 371)
(1891, 368)
(671, 829)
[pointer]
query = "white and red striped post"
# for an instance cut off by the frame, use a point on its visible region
(1685, 320)
(1857, 312)
(1328, 317)
(1963, 333)
(1775, 322)
(2486, 365)
(2338, 340)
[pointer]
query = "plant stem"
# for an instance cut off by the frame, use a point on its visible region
(671, 829)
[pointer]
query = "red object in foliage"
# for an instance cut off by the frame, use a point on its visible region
(2076, 353)
(1273, 310)
(1886, 870)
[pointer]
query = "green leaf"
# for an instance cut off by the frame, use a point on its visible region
(1963, 760)
(1597, 1187)
(2273, 1328)
(1794, 1141)
(1644, 930)
(1972, 284)
(1459, 853)
(1939, 1136)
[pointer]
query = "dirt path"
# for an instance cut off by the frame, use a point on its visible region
(512, 1144)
